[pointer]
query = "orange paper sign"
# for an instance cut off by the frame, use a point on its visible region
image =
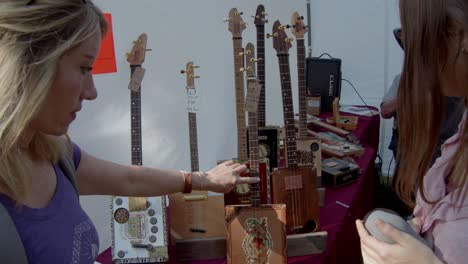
(105, 62)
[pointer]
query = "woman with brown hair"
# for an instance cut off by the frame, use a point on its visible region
(435, 36)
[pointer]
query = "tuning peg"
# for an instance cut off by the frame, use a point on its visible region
(242, 53)
(245, 69)
(302, 17)
(239, 13)
(183, 71)
(283, 27)
(264, 20)
(244, 23)
(264, 13)
(149, 50)
(194, 76)
(226, 19)
(288, 39)
(256, 60)
(195, 66)
(274, 35)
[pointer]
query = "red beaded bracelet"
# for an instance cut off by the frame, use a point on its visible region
(187, 182)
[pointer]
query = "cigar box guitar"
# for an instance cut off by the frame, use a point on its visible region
(138, 224)
(256, 232)
(294, 185)
(308, 147)
(241, 193)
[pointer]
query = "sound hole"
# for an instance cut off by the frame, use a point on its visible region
(121, 215)
(310, 226)
(314, 147)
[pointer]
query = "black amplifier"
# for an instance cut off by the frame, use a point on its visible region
(323, 77)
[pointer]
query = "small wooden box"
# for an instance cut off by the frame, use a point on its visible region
(337, 172)
(256, 234)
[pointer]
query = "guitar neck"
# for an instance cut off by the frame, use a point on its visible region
(261, 74)
(135, 119)
(253, 153)
(240, 108)
(192, 117)
(288, 111)
(302, 89)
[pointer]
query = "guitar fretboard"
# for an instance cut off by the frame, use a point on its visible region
(261, 74)
(193, 141)
(302, 89)
(135, 119)
(240, 107)
(253, 152)
(288, 111)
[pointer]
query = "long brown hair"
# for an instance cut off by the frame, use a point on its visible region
(426, 28)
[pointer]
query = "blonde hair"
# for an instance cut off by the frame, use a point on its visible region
(427, 27)
(34, 35)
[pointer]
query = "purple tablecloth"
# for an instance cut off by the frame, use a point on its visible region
(338, 221)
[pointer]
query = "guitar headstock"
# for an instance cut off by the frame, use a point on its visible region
(236, 24)
(260, 16)
(298, 27)
(281, 41)
(190, 74)
(250, 59)
(137, 55)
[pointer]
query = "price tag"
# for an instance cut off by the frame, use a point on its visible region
(253, 95)
(137, 78)
(193, 100)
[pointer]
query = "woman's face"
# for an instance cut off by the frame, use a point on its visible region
(73, 84)
(454, 76)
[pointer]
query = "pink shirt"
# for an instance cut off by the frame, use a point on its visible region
(445, 226)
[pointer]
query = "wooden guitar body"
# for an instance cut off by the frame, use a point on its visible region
(190, 217)
(256, 235)
(297, 188)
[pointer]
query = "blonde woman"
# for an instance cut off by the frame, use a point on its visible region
(435, 36)
(47, 49)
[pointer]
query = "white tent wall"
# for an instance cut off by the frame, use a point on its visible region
(358, 32)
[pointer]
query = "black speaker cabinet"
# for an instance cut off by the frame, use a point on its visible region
(323, 77)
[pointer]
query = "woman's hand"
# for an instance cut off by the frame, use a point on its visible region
(222, 178)
(406, 249)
